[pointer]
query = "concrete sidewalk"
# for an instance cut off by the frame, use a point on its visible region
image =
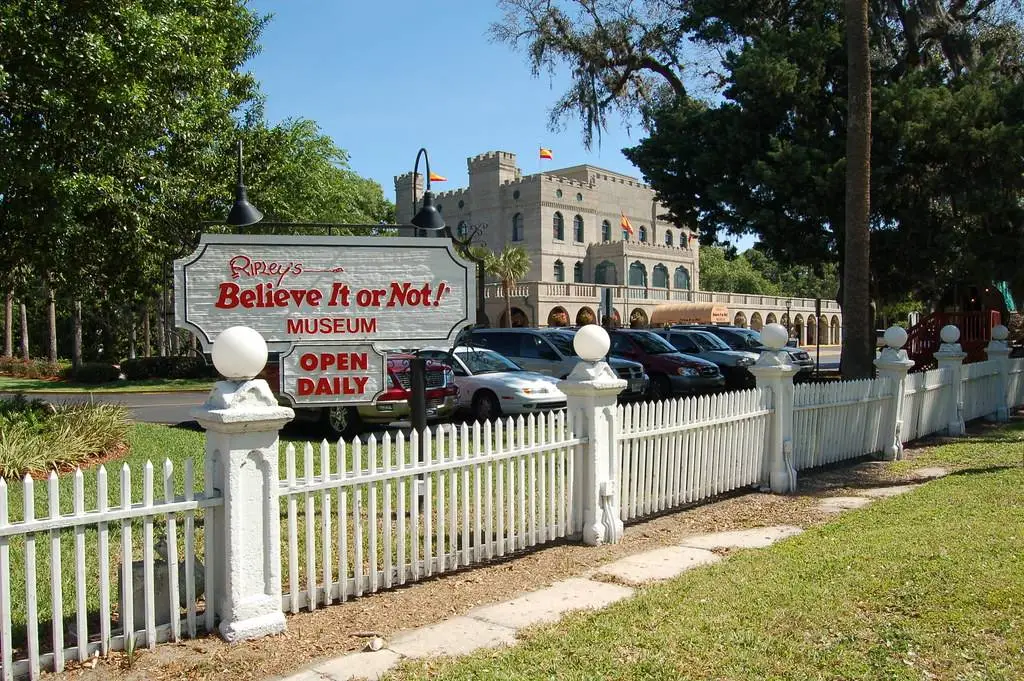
(496, 625)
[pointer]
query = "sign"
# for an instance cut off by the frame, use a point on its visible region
(302, 290)
(333, 374)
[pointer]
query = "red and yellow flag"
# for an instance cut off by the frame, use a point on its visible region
(546, 153)
(434, 177)
(624, 222)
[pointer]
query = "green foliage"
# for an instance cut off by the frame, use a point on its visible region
(36, 437)
(508, 267)
(755, 272)
(95, 372)
(143, 368)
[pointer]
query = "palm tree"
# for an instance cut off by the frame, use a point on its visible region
(857, 346)
(509, 266)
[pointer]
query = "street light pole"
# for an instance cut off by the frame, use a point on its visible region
(789, 304)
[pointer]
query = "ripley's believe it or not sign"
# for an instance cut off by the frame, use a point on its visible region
(330, 306)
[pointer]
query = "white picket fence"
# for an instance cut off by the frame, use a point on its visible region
(91, 603)
(375, 517)
(980, 389)
(1015, 382)
(680, 451)
(924, 403)
(837, 421)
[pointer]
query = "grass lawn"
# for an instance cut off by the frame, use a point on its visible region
(11, 384)
(928, 585)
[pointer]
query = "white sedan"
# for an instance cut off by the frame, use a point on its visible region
(491, 385)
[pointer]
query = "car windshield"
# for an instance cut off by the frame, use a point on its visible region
(482, 361)
(652, 343)
(709, 341)
(562, 342)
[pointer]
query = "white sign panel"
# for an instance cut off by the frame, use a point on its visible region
(405, 292)
(333, 374)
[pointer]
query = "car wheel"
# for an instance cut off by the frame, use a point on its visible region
(485, 406)
(342, 422)
(660, 388)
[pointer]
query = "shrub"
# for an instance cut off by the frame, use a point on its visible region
(95, 372)
(142, 368)
(36, 436)
(33, 368)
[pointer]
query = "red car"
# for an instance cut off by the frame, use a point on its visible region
(393, 405)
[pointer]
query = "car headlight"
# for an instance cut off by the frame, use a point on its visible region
(687, 371)
(744, 362)
(539, 390)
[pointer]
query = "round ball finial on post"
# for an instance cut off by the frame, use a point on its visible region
(949, 334)
(774, 336)
(239, 353)
(1000, 332)
(895, 337)
(591, 343)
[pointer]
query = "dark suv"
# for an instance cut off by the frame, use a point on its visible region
(671, 372)
(738, 338)
(733, 363)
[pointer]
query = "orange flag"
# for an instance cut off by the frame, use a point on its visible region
(624, 222)
(434, 177)
(546, 153)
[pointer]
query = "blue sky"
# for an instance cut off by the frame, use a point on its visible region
(385, 78)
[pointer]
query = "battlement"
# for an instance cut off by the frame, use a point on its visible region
(620, 179)
(406, 178)
(450, 193)
(492, 158)
(566, 181)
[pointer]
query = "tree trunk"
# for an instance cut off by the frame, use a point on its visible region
(24, 332)
(51, 319)
(76, 336)
(147, 345)
(131, 332)
(161, 332)
(507, 290)
(9, 324)
(858, 347)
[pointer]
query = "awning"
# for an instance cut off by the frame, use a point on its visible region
(689, 313)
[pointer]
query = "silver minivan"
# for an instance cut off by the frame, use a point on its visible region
(550, 351)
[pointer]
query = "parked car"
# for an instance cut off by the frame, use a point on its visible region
(492, 385)
(732, 363)
(550, 352)
(671, 372)
(393, 405)
(739, 338)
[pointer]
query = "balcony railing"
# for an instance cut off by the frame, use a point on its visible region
(547, 292)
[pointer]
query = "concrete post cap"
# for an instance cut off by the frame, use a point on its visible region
(591, 343)
(895, 337)
(239, 353)
(949, 334)
(1000, 332)
(774, 336)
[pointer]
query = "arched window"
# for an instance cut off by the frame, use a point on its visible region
(659, 277)
(577, 272)
(668, 237)
(559, 271)
(559, 225)
(643, 233)
(625, 234)
(684, 242)
(637, 274)
(682, 279)
(605, 273)
(577, 229)
(463, 229)
(606, 231)
(517, 227)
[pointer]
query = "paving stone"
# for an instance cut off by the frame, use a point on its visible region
(548, 605)
(456, 636)
(754, 538)
(304, 675)
(879, 492)
(840, 504)
(658, 564)
(369, 665)
(929, 473)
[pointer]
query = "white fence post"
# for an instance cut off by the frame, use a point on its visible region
(894, 364)
(242, 419)
(998, 352)
(591, 390)
(951, 357)
(775, 372)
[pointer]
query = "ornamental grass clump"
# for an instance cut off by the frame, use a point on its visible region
(37, 437)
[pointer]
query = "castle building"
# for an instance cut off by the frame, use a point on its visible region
(569, 221)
